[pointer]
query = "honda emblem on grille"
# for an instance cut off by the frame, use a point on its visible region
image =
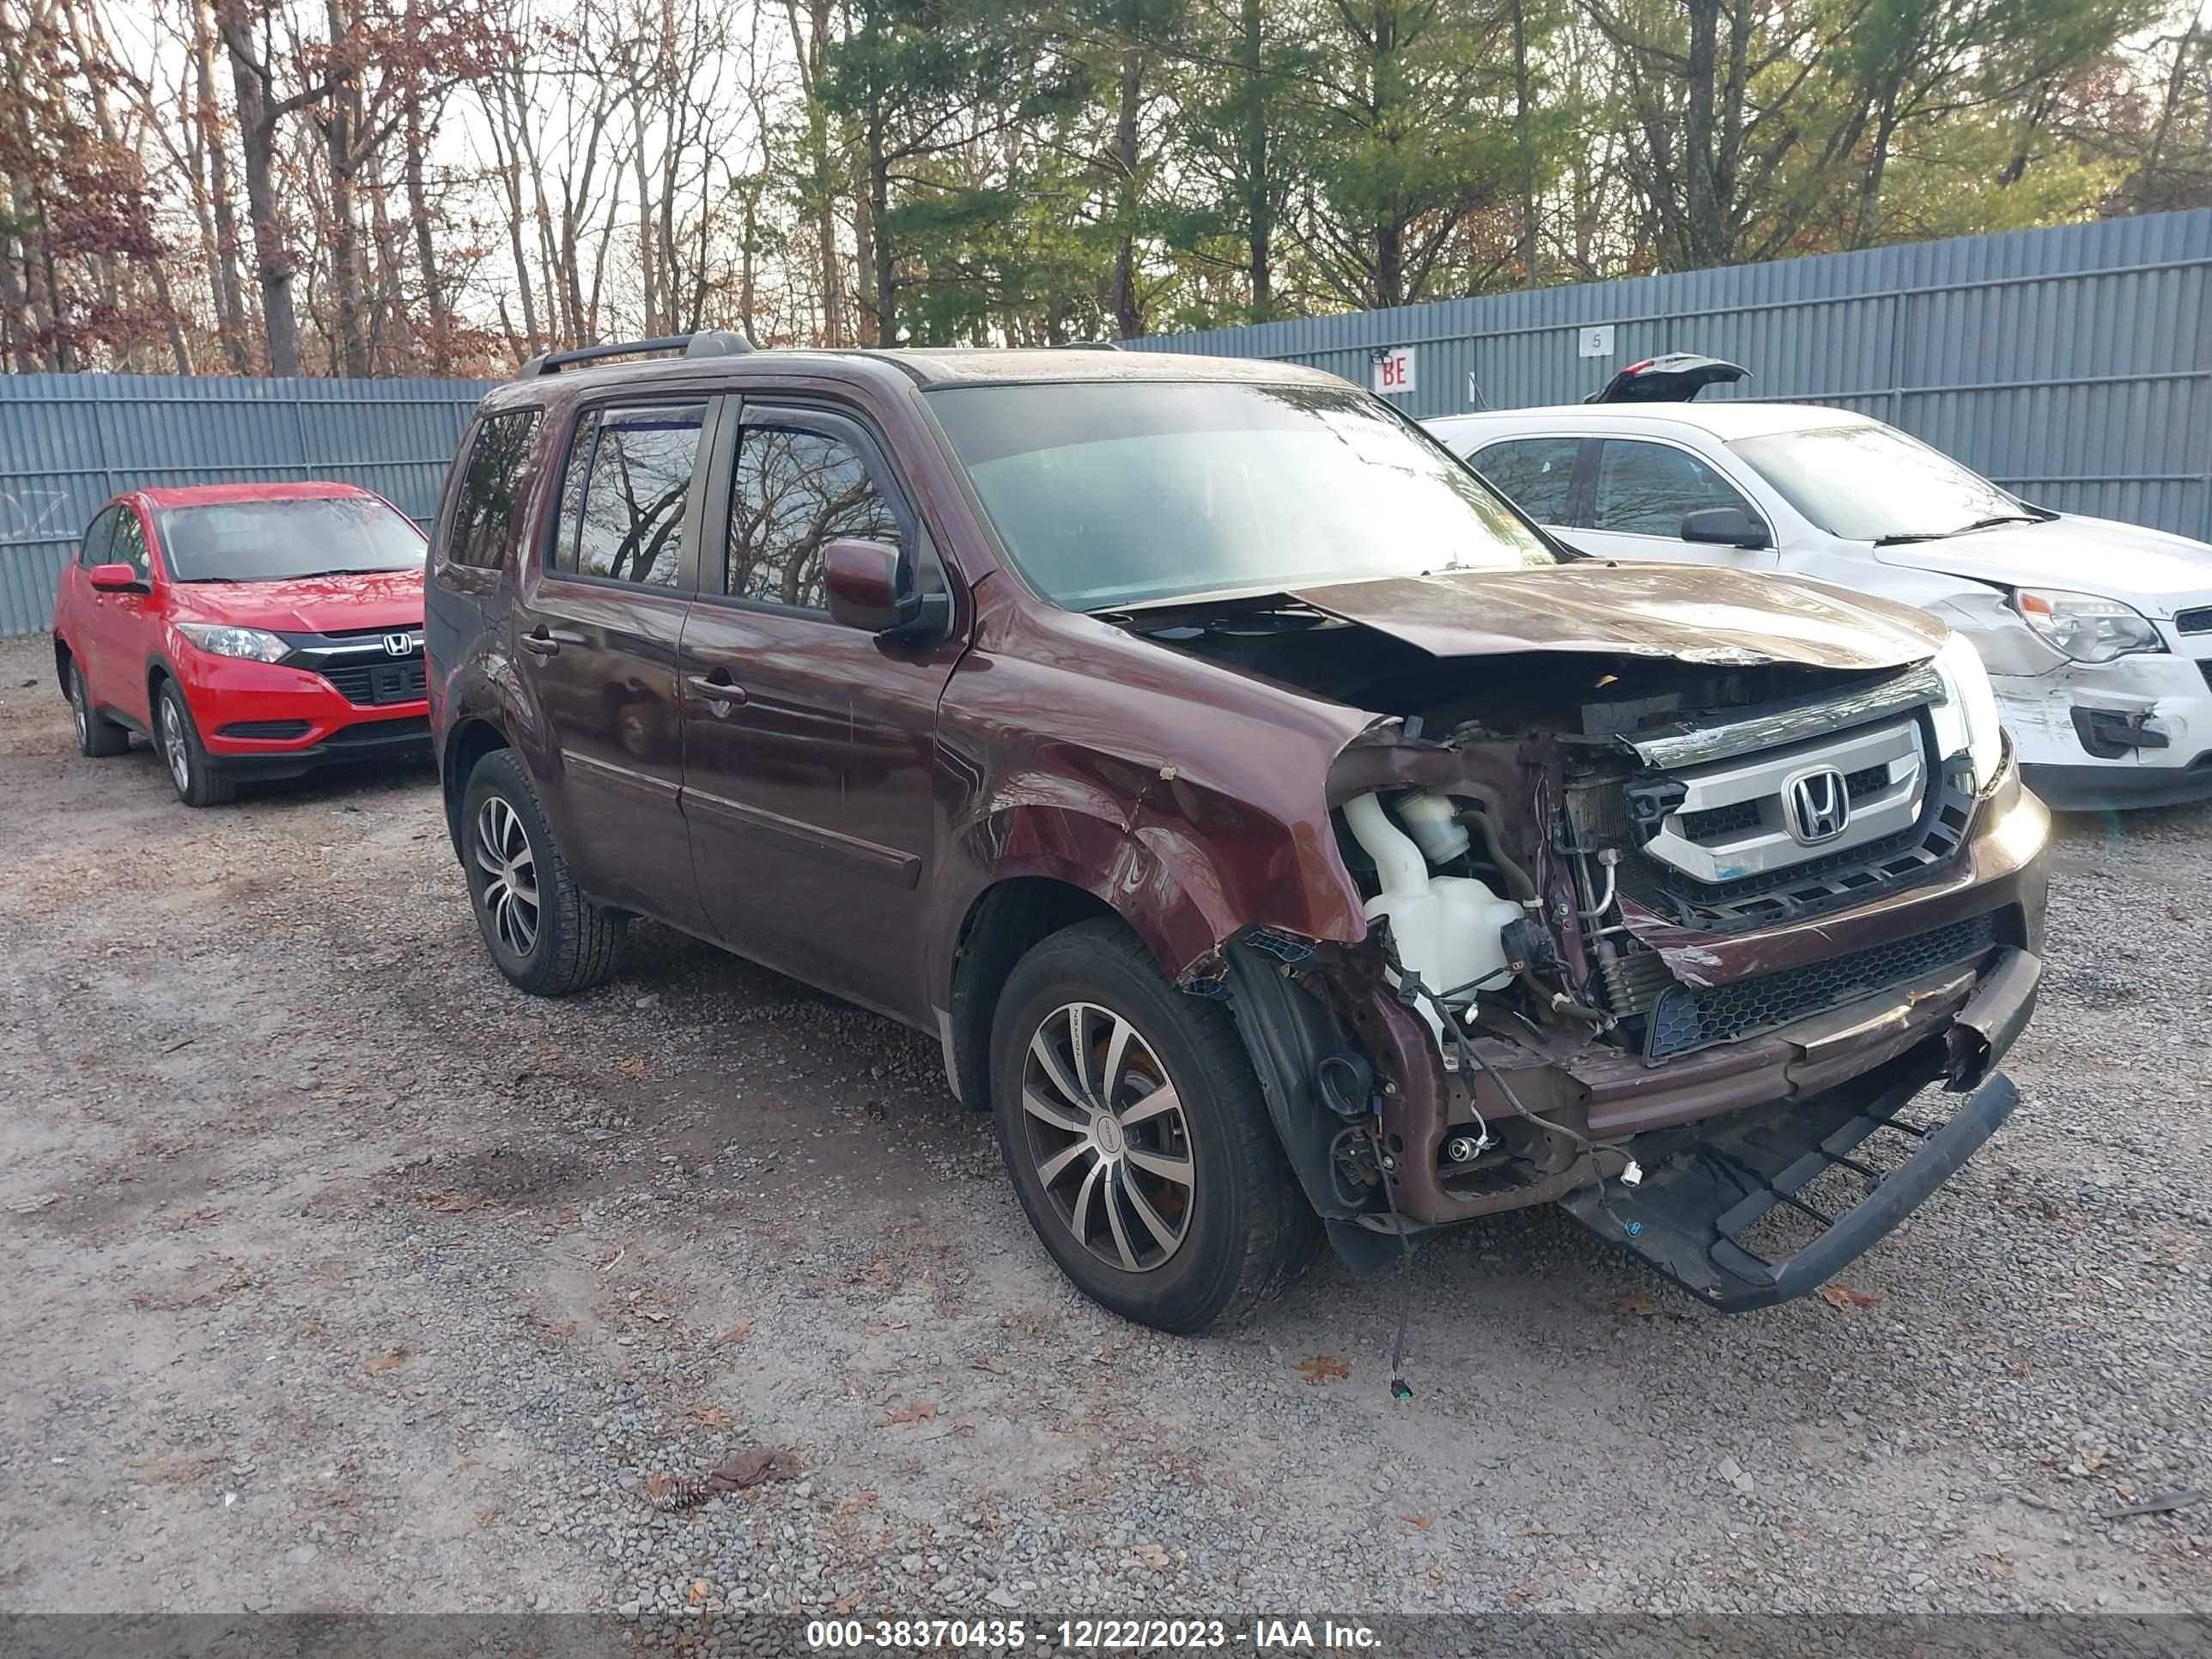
(399, 644)
(1817, 806)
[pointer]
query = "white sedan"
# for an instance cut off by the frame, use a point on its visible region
(2097, 634)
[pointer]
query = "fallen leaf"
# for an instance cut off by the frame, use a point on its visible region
(737, 1333)
(660, 1486)
(485, 1518)
(743, 1469)
(698, 1591)
(1321, 1368)
(1638, 1303)
(632, 1068)
(921, 1411)
(390, 1360)
(1417, 1522)
(714, 1417)
(1150, 1555)
(1841, 1297)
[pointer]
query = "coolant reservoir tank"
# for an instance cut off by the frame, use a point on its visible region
(1434, 825)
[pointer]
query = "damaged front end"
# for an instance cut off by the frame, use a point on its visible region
(1672, 936)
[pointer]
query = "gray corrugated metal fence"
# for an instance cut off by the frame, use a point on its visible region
(2073, 364)
(69, 442)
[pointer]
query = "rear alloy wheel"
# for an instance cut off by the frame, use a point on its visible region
(197, 783)
(97, 736)
(1136, 1136)
(543, 933)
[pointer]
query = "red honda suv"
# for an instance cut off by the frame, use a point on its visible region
(249, 630)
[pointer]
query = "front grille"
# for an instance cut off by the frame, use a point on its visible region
(1689, 1016)
(272, 730)
(1721, 822)
(1718, 852)
(2198, 620)
(397, 679)
(372, 633)
(393, 731)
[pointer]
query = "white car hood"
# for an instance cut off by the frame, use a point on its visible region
(2155, 571)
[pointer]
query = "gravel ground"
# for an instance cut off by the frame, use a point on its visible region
(346, 1276)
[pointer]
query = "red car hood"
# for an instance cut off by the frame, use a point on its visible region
(308, 605)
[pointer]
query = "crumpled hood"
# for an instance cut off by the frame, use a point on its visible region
(1688, 612)
(309, 605)
(2152, 570)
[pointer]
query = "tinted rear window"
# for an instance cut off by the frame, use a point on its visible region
(271, 541)
(491, 490)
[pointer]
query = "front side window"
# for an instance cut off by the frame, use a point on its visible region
(1646, 490)
(99, 537)
(282, 540)
(1872, 483)
(623, 495)
(1109, 494)
(1536, 474)
(491, 490)
(796, 491)
(130, 545)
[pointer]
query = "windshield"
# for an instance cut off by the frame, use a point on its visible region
(270, 541)
(1872, 483)
(1112, 493)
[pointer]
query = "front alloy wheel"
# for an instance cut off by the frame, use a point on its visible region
(1105, 1132)
(177, 740)
(1137, 1138)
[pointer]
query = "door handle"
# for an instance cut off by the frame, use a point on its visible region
(540, 642)
(716, 686)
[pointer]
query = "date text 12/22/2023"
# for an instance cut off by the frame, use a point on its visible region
(1259, 1635)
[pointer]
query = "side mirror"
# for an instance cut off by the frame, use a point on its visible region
(872, 588)
(116, 578)
(1724, 526)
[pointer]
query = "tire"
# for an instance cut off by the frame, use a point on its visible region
(97, 737)
(176, 740)
(563, 942)
(1244, 1231)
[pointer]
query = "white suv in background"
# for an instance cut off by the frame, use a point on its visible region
(2097, 634)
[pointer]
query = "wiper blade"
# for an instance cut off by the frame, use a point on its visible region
(1990, 523)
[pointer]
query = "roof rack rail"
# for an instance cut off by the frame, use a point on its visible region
(707, 343)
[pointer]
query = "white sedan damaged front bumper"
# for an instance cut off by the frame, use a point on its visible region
(2135, 731)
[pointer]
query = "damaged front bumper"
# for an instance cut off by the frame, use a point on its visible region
(2135, 731)
(1704, 1196)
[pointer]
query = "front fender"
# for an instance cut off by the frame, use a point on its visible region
(1187, 868)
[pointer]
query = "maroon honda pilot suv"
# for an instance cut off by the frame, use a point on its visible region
(1282, 837)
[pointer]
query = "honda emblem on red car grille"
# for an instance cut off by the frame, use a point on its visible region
(1817, 805)
(399, 644)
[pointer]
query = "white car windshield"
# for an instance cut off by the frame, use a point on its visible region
(1119, 493)
(1872, 483)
